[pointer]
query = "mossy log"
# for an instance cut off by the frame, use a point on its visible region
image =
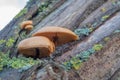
(100, 33)
(107, 8)
(103, 65)
(31, 10)
(73, 14)
(70, 14)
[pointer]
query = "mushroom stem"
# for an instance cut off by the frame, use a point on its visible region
(55, 39)
(21, 31)
(37, 53)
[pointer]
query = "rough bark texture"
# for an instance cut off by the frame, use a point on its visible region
(73, 14)
(69, 15)
(95, 37)
(103, 64)
(32, 10)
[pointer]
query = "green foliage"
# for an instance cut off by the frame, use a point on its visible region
(94, 24)
(1, 67)
(22, 12)
(97, 47)
(91, 29)
(106, 39)
(43, 6)
(105, 17)
(77, 61)
(2, 41)
(84, 31)
(67, 65)
(16, 63)
(10, 42)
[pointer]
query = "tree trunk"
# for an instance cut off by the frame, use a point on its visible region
(102, 32)
(69, 15)
(101, 15)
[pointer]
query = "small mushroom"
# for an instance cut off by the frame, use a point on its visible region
(37, 47)
(26, 26)
(29, 27)
(25, 23)
(57, 34)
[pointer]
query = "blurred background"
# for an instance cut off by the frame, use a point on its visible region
(8, 10)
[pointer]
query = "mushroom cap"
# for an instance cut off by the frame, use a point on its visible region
(29, 27)
(27, 46)
(63, 35)
(25, 23)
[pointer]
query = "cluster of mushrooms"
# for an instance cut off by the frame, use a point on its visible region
(43, 42)
(26, 26)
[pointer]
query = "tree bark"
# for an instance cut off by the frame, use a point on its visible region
(69, 15)
(106, 9)
(102, 31)
(32, 7)
(103, 64)
(74, 14)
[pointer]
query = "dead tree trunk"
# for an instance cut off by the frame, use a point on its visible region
(31, 13)
(95, 37)
(75, 14)
(70, 14)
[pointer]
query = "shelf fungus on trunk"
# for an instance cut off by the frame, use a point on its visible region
(57, 34)
(26, 26)
(37, 47)
(25, 23)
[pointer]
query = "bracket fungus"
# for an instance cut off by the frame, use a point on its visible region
(25, 23)
(37, 47)
(57, 34)
(29, 27)
(26, 26)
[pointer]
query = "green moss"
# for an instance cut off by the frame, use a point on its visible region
(105, 17)
(97, 47)
(16, 63)
(106, 39)
(77, 61)
(1, 67)
(2, 41)
(83, 31)
(43, 7)
(22, 12)
(10, 42)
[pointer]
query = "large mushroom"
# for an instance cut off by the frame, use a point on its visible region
(26, 26)
(37, 47)
(57, 34)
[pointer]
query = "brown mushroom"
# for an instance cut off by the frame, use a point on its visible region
(25, 23)
(57, 34)
(26, 26)
(39, 47)
(29, 27)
